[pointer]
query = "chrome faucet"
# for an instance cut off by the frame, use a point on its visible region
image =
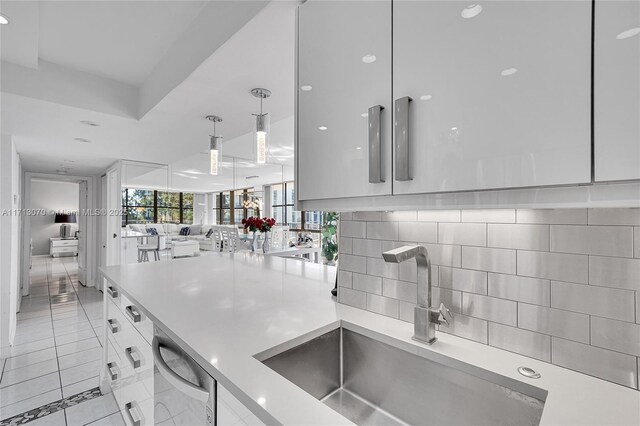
(425, 317)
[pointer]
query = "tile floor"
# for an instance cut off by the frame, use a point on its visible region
(57, 350)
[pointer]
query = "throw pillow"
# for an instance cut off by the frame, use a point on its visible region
(152, 231)
(184, 231)
(195, 230)
(209, 232)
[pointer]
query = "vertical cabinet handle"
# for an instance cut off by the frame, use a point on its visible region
(375, 145)
(401, 140)
(133, 356)
(112, 292)
(113, 325)
(134, 418)
(133, 313)
(114, 371)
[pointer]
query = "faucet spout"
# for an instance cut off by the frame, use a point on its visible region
(425, 317)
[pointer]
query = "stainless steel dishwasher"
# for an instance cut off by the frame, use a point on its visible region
(184, 394)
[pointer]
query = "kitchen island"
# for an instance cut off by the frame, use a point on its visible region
(225, 309)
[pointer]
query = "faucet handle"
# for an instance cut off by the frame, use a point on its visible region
(444, 314)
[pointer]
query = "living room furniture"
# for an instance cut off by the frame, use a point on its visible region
(185, 248)
(63, 246)
(152, 243)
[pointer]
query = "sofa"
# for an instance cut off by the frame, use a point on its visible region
(172, 230)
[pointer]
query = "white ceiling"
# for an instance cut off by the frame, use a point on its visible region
(260, 54)
(122, 40)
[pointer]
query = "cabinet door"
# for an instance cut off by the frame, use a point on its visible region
(500, 93)
(617, 90)
(344, 68)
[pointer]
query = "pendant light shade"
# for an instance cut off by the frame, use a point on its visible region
(215, 147)
(262, 128)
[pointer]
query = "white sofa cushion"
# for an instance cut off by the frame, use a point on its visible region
(171, 228)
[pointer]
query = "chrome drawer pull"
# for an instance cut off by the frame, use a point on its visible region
(133, 313)
(135, 420)
(113, 325)
(375, 145)
(130, 352)
(402, 141)
(113, 292)
(114, 371)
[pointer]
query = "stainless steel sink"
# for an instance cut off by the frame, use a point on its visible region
(375, 383)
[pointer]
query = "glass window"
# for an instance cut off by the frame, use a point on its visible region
(149, 206)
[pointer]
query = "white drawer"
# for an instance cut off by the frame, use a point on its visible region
(135, 402)
(139, 320)
(62, 243)
(65, 249)
(113, 294)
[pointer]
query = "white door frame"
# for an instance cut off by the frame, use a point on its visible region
(91, 232)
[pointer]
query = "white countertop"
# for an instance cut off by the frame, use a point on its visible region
(223, 309)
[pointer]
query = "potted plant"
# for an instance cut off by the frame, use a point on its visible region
(330, 237)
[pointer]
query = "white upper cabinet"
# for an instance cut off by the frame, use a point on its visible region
(344, 68)
(500, 93)
(617, 90)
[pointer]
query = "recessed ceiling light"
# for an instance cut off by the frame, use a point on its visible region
(84, 140)
(322, 128)
(628, 33)
(425, 97)
(364, 114)
(3, 19)
(262, 401)
(306, 88)
(89, 123)
(471, 11)
(369, 59)
(508, 71)
(358, 148)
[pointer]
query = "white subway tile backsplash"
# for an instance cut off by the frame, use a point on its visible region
(554, 266)
(623, 216)
(489, 259)
(569, 325)
(614, 272)
(345, 279)
(470, 234)
(357, 299)
(383, 305)
(382, 230)
(351, 263)
(467, 327)
(522, 289)
(553, 216)
(490, 308)
(616, 335)
(369, 248)
(353, 229)
(589, 299)
(439, 216)
(401, 216)
(401, 290)
(596, 240)
(423, 232)
(524, 342)
(463, 279)
(613, 366)
(367, 283)
(346, 216)
(489, 216)
(552, 284)
(368, 216)
(346, 245)
(380, 268)
(523, 237)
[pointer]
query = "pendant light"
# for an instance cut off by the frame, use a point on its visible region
(262, 127)
(215, 146)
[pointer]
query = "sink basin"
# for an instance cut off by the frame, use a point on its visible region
(374, 383)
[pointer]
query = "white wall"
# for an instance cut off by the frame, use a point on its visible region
(51, 196)
(10, 187)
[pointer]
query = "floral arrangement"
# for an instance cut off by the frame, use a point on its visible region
(254, 224)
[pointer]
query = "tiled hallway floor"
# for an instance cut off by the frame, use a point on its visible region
(57, 350)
